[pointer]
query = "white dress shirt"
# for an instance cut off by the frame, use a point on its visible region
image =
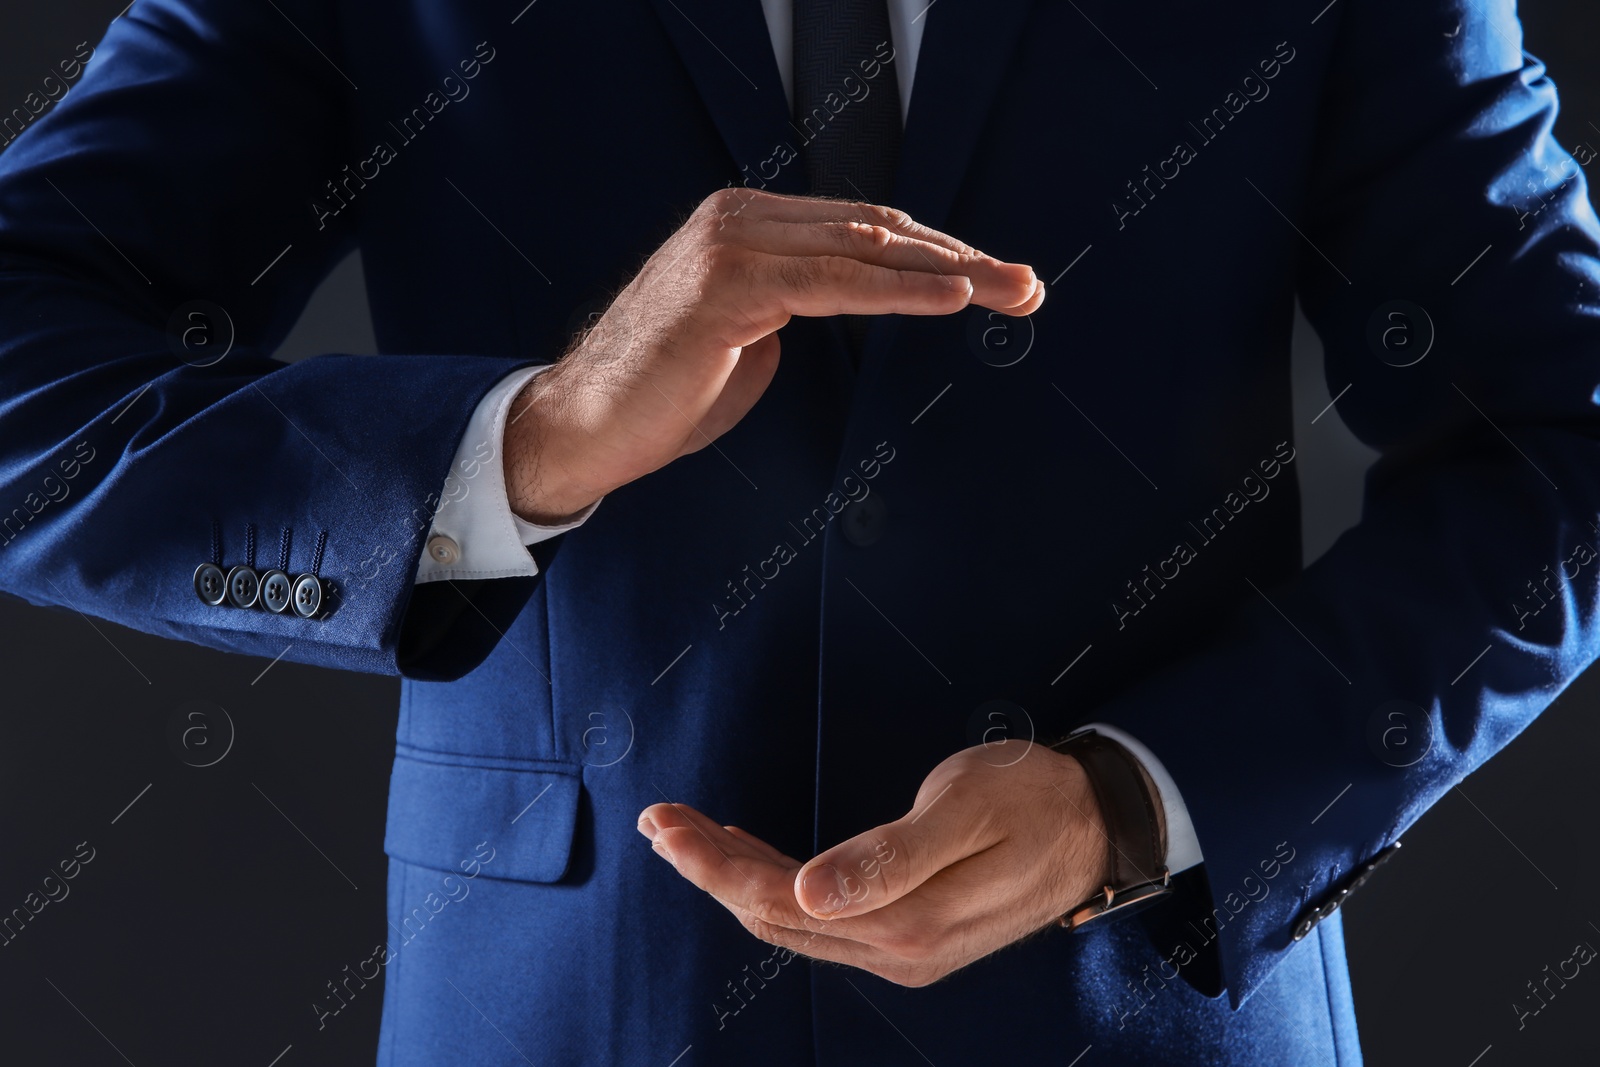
(475, 534)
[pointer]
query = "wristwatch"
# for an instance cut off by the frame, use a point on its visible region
(1136, 825)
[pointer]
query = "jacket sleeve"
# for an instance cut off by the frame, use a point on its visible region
(1332, 712)
(155, 219)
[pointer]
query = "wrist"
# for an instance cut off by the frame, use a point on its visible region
(1097, 852)
(545, 483)
(1133, 824)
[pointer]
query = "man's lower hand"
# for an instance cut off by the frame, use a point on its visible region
(1001, 840)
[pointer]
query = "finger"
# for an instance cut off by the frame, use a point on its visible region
(814, 944)
(767, 909)
(761, 883)
(728, 866)
(995, 284)
(743, 873)
(883, 865)
(691, 850)
(1030, 305)
(767, 850)
(742, 881)
(839, 285)
(682, 827)
(914, 958)
(968, 908)
(778, 207)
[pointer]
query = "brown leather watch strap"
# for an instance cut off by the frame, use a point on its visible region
(1135, 822)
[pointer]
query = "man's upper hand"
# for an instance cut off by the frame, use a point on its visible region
(690, 344)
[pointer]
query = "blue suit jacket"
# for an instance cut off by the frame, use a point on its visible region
(1121, 498)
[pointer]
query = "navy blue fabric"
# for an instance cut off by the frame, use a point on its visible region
(672, 649)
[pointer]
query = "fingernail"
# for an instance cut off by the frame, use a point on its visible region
(661, 850)
(957, 283)
(824, 890)
(647, 827)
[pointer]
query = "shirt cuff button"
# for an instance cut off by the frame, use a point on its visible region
(443, 550)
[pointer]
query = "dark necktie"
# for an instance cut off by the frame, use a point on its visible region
(847, 105)
(846, 98)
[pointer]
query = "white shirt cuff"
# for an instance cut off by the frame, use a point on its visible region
(474, 532)
(1183, 847)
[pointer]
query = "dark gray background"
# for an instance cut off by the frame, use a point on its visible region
(223, 899)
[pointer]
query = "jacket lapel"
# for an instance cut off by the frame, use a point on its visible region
(728, 52)
(966, 50)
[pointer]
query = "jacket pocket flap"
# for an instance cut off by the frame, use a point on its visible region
(443, 808)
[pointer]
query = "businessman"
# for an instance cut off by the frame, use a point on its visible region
(848, 445)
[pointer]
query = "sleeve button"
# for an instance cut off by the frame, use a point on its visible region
(210, 584)
(243, 587)
(276, 591)
(307, 596)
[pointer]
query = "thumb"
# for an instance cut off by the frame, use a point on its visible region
(877, 868)
(751, 374)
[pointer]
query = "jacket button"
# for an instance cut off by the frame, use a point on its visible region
(210, 584)
(864, 520)
(442, 549)
(276, 591)
(307, 596)
(243, 587)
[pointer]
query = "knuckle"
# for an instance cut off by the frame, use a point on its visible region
(725, 199)
(811, 929)
(764, 932)
(955, 792)
(722, 262)
(893, 217)
(752, 924)
(850, 271)
(965, 262)
(719, 212)
(838, 231)
(854, 233)
(765, 912)
(708, 227)
(758, 927)
(799, 273)
(875, 235)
